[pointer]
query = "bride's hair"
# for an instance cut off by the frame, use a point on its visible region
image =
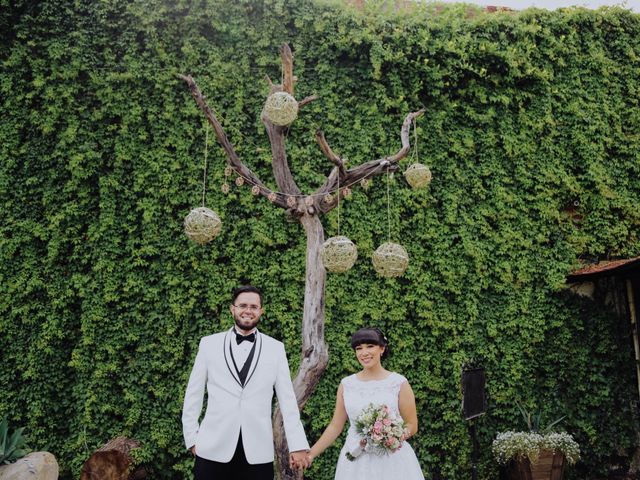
(373, 336)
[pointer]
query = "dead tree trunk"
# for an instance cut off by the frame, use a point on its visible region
(306, 209)
(315, 355)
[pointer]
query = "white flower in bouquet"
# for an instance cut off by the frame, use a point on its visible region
(381, 429)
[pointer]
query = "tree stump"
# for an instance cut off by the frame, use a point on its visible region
(113, 461)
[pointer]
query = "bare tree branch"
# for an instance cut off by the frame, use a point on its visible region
(277, 135)
(234, 160)
(368, 169)
(326, 149)
(281, 171)
(306, 100)
(272, 87)
(287, 69)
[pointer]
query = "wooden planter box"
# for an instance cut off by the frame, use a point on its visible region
(550, 466)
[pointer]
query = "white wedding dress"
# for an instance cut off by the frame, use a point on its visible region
(402, 464)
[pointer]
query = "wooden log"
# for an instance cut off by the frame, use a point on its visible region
(113, 461)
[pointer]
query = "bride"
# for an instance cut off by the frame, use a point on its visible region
(372, 385)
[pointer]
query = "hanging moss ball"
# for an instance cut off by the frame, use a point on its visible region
(418, 175)
(338, 254)
(390, 260)
(281, 108)
(202, 225)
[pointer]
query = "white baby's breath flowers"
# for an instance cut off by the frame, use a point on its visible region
(564, 443)
(508, 445)
(511, 445)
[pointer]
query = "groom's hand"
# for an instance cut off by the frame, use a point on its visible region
(299, 459)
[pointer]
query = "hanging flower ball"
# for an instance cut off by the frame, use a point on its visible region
(281, 108)
(328, 198)
(338, 254)
(418, 175)
(240, 181)
(228, 170)
(291, 201)
(390, 260)
(255, 190)
(202, 225)
(225, 188)
(272, 197)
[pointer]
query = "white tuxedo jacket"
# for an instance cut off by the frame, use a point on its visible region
(231, 407)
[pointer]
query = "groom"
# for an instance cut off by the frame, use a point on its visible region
(240, 368)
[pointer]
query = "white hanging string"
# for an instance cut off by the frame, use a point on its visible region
(300, 195)
(388, 206)
(204, 179)
(338, 203)
(415, 140)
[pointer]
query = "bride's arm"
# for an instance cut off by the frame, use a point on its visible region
(407, 405)
(333, 430)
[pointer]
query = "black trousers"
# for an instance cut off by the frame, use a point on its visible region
(237, 469)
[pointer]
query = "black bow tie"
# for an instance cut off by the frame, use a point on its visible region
(249, 338)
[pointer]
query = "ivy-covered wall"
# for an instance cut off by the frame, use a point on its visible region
(103, 299)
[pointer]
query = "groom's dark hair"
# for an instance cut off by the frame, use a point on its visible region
(245, 289)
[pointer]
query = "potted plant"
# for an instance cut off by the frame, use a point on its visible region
(539, 454)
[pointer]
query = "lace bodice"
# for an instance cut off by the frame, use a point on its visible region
(358, 394)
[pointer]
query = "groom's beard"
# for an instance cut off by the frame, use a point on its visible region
(246, 325)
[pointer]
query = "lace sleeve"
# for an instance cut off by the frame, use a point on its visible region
(397, 382)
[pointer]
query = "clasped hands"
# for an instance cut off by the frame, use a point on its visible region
(297, 460)
(300, 460)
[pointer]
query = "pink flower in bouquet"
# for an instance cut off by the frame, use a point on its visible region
(382, 431)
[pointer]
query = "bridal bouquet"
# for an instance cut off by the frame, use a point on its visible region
(381, 430)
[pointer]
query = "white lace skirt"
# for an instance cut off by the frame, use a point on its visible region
(402, 464)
